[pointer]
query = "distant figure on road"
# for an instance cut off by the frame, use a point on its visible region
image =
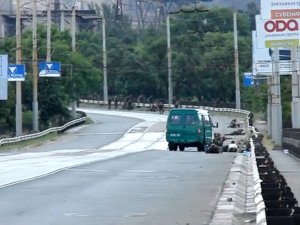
(160, 106)
(250, 117)
(116, 101)
(109, 103)
(234, 124)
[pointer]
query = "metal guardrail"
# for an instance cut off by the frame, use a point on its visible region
(15, 140)
(147, 105)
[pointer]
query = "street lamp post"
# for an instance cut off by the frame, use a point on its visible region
(105, 88)
(35, 109)
(169, 49)
(236, 63)
(18, 61)
(73, 34)
(169, 53)
(48, 57)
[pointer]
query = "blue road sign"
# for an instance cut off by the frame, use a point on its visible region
(248, 80)
(16, 72)
(49, 69)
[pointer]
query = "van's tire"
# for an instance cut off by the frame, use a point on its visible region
(181, 147)
(200, 147)
(172, 147)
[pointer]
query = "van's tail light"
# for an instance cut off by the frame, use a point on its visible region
(199, 131)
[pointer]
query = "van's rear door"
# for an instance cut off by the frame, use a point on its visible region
(174, 128)
(190, 127)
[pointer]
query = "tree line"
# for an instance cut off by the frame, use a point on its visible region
(202, 62)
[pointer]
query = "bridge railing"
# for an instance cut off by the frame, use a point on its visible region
(31, 137)
(167, 106)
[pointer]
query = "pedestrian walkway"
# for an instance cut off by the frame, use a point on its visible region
(286, 163)
(289, 167)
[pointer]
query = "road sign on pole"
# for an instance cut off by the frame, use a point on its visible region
(16, 72)
(49, 69)
(248, 80)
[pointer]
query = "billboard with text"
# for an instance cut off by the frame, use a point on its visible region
(280, 9)
(277, 33)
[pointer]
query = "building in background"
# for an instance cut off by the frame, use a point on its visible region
(142, 12)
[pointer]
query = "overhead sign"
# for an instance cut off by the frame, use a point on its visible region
(248, 80)
(3, 77)
(280, 9)
(49, 69)
(277, 33)
(16, 72)
(262, 59)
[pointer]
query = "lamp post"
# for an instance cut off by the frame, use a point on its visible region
(48, 57)
(73, 34)
(169, 49)
(105, 88)
(18, 61)
(236, 63)
(35, 110)
(169, 54)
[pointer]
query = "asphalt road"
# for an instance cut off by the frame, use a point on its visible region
(152, 187)
(149, 187)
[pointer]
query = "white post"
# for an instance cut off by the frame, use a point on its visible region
(105, 87)
(236, 63)
(35, 109)
(169, 54)
(19, 120)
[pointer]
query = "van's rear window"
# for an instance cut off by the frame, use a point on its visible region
(175, 119)
(190, 119)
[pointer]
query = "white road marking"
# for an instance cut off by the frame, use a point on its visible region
(28, 166)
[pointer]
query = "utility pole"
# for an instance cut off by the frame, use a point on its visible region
(169, 53)
(48, 57)
(295, 89)
(19, 121)
(73, 34)
(276, 102)
(105, 88)
(236, 63)
(35, 109)
(269, 107)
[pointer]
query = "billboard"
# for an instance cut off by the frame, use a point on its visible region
(280, 9)
(277, 33)
(262, 59)
(3, 77)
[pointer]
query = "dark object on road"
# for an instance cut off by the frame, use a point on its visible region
(214, 149)
(217, 144)
(237, 132)
(250, 118)
(234, 124)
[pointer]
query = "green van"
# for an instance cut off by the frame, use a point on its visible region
(189, 127)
